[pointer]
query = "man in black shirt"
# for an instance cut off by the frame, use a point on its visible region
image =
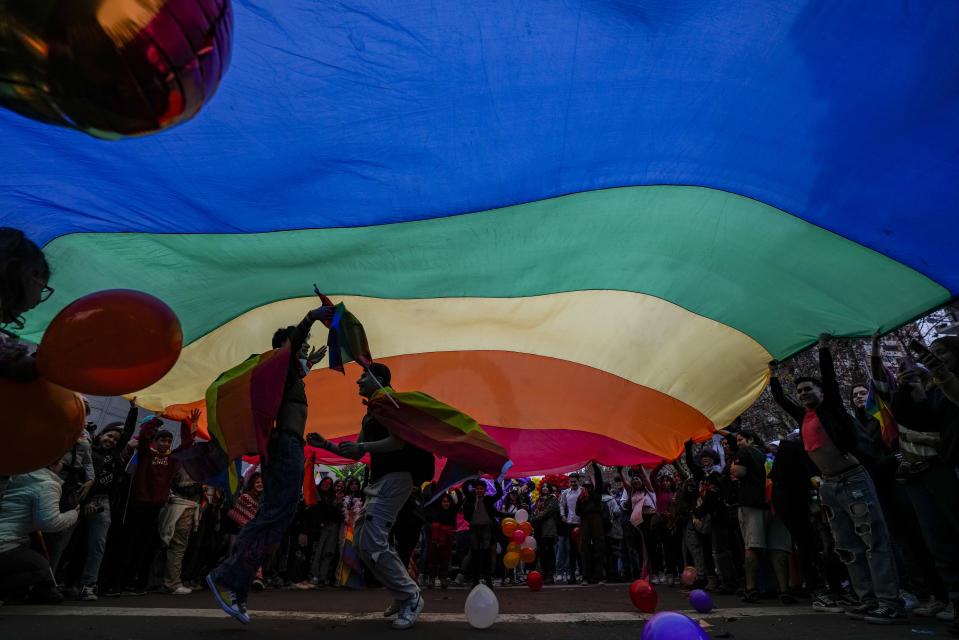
(393, 465)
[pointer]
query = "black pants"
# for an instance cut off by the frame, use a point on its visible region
(546, 557)
(481, 552)
(21, 568)
(141, 539)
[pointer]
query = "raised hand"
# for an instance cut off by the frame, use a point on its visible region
(316, 355)
(195, 416)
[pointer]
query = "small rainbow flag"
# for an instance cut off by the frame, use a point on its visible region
(347, 340)
(877, 407)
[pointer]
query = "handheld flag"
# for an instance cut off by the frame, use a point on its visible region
(347, 341)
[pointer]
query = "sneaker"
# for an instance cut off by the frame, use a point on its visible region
(258, 585)
(181, 591)
(751, 597)
(846, 601)
(823, 602)
(948, 614)
(112, 593)
(660, 578)
(859, 611)
(930, 609)
(785, 598)
(884, 615)
(88, 592)
(910, 601)
(394, 608)
(409, 614)
(305, 585)
(228, 601)
(133, 591)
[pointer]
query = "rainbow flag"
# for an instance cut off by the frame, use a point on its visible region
(879, 409)
(242, 405)
(441, 429)
(347, 340)
(351, 570)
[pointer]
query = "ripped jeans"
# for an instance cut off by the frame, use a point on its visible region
(851, 505)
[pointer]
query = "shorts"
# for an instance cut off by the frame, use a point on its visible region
(762, 530)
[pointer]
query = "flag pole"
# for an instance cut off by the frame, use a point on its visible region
(380, 385)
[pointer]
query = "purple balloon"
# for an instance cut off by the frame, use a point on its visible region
(701, 601)
(669, 625)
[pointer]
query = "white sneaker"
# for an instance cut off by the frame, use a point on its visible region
(88, 592)
(409, 614)
(910, 602)
(948, 614)
(395, 607)
(179, 591)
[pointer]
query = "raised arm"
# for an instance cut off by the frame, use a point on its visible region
(832, 394)
(795, 411)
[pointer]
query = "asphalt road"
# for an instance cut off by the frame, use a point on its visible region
(555, 613)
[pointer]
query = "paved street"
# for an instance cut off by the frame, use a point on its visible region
(553, 614)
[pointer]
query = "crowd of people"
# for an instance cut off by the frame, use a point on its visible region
(852, 512)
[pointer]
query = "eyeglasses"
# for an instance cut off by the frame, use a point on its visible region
(45, 293)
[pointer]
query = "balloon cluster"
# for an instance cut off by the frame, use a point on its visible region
(106, 343)
(113, 68)
(523, 545)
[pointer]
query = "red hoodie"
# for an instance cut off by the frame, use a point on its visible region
(154, 475)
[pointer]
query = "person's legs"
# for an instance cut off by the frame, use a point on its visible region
(721, 556)
(384, 499)
(933, 496)
(57, 543)
(175, 550)
(753, 523)
(695, 548)
(779, 546)
(98, 527)
(282, 484)
(849, 545)
(21, 568)
(546, 551)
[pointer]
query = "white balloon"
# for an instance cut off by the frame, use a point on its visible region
(529, 543)
(482, 607)
(521, 516)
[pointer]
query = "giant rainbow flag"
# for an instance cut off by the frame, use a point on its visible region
(589, 225)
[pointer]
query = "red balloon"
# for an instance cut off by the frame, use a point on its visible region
(644, 596)
(114, 68)
(576, 535)
(534, 580)
(41, 421)
(110, 342)
(526, 528)
(519, 536)
(527, 555)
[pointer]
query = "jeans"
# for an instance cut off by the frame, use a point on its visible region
(384, 499)
(562, 554)
(282, 484)
(693, 543)
(862, 538)
(98, 526)
(935, 496)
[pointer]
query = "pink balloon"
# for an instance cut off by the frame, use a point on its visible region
(519, 536)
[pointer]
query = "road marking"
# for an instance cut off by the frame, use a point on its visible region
(504, 618)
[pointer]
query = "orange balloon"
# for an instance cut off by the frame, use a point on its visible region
(510, 560)
(526, 528)
(41, 421)
(527, 555)
(110, 342)
(512, 547)
(509, 526)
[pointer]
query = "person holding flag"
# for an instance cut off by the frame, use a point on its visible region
(394, 467)
(282, 476)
